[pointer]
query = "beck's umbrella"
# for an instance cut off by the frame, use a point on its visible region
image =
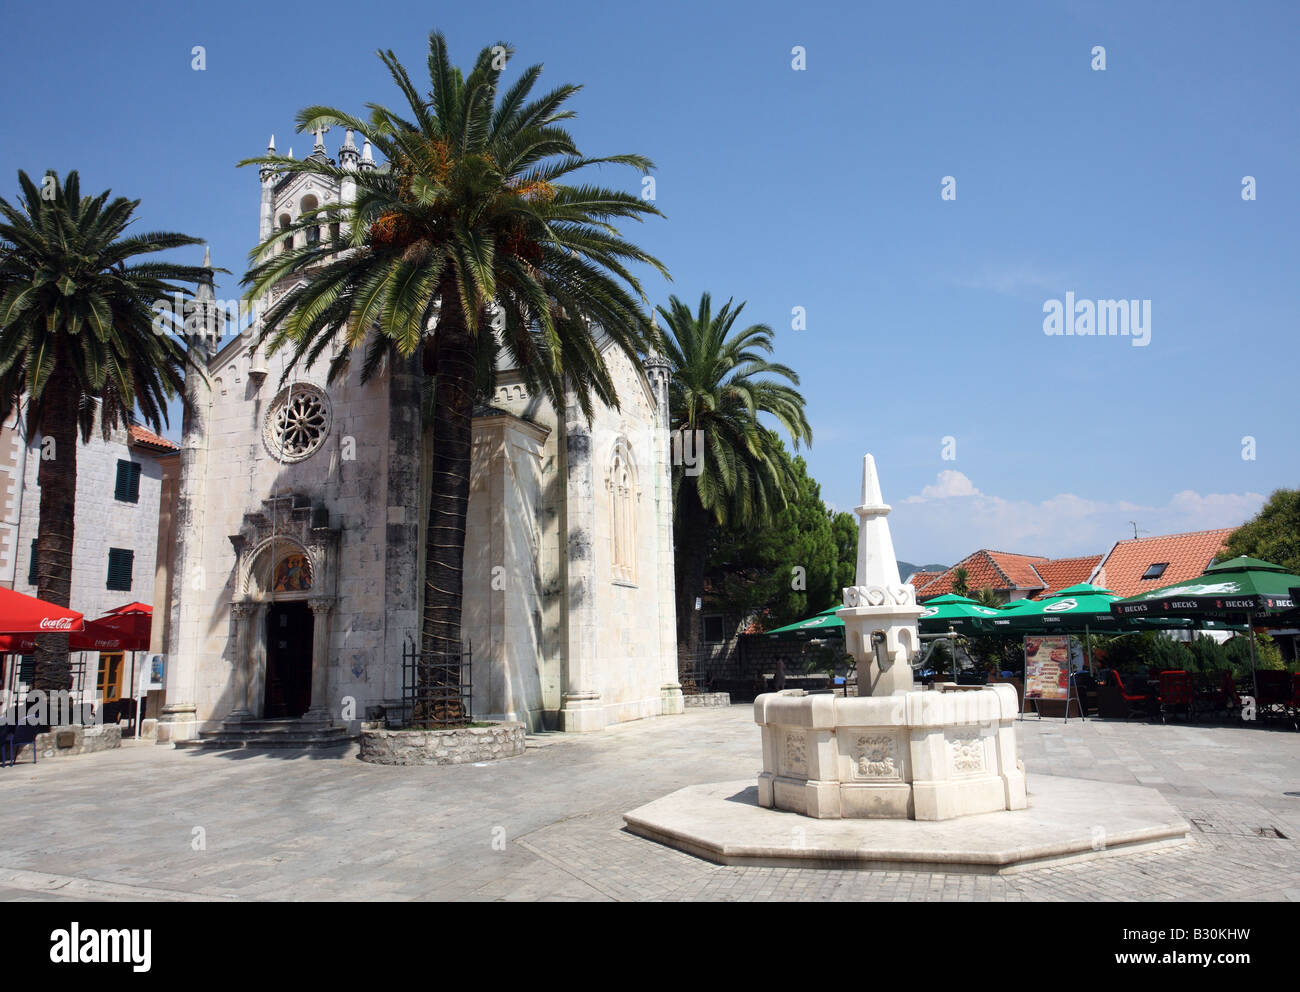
(1239, 590)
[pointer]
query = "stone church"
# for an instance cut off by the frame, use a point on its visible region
(297, 571)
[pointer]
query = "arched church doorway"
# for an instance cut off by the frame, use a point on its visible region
(289, 629)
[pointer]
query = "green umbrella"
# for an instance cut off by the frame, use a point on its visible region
(823, 622)
(952, 612)
(1240, 589)
(1079, 608)
(1018, 604)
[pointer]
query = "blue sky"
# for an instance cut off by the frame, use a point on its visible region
(821, 189)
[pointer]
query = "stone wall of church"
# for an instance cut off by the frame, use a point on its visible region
(347, 477)
(630, 663)
(504, 563)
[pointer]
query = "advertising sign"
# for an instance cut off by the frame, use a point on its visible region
(1047, 667)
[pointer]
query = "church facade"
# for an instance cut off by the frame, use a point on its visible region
(298, 567)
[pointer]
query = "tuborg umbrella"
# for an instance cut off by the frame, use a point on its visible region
(952, 612)
(1076, 609)
(825, 621)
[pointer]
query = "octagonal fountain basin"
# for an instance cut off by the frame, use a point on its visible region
(920, 754)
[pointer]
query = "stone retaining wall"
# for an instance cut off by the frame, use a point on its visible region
(707, 699)
(442, 747)
(61, 741)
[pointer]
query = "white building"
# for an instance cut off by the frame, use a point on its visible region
(297, 579)
(115, 536)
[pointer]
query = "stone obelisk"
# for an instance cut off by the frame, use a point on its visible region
(880, 613)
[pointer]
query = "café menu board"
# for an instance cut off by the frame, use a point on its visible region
(1047, 667)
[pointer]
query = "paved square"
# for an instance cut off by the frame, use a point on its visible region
(150, 822)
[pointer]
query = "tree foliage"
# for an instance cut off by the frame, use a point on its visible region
(1273, 534)
(787, 569)
(472, 239)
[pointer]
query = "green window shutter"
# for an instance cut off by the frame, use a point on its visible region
(27, 669)
(31, 569)
(128, 481)
(120, 562)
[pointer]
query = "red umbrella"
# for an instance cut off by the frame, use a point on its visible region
(21, 614)
(114, 632)
(134, 608)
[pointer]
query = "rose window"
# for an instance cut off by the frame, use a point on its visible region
(297, 423)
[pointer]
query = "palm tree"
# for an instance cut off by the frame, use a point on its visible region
(960, 582)
(987, 597)
(77, 325)
(716, 394)
(466, 230)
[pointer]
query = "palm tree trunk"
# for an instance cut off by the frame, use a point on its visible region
(57, 478)
(444, 547)
(690, 524)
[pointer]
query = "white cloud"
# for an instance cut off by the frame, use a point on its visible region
(951, 518)
(1009, 279)
(951, 483)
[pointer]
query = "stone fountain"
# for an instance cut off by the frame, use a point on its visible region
(893, 751)
(898, 777)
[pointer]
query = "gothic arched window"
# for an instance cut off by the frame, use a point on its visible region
(622, 488)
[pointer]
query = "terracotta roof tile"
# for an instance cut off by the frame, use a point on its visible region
(998, 570)
(1186, 554)
(1060, 573)
(918, 580)
(148, 438)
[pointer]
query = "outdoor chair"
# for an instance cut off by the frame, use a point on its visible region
(1228, 699)
(13, 737)
(1273, 693)
(1175, 694)
(1115, 701)
(1207, 689)
(1294, 705)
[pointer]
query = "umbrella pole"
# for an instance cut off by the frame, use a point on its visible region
(1254, 681)
(135, 692)
(952, 650)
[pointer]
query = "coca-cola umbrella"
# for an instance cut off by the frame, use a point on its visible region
(21, 614)
(117, 631)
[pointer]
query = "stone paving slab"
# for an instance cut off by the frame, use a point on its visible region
(151, 822)
(1067, 820)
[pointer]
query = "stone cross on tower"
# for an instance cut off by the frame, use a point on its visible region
(879, 612)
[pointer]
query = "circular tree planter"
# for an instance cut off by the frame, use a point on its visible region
(456, 746)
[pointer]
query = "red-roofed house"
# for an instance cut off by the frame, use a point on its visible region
(1011, 576)
(1061, 573)
(143, 437)
(918, 580)
(1128, 568)
(1135, 566)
